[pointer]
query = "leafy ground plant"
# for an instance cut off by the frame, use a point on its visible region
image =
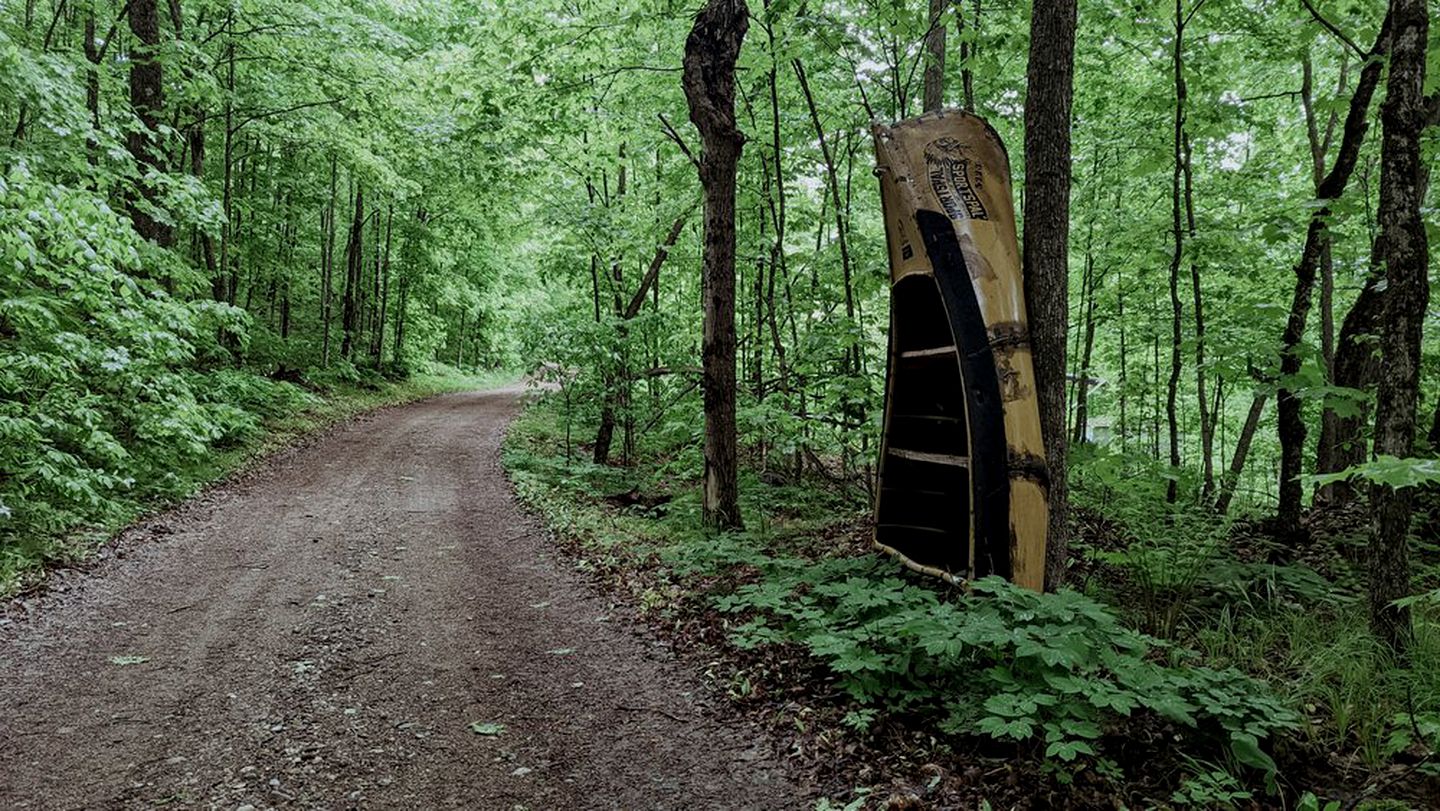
(1057, 680)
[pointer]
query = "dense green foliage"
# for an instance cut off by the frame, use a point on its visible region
(131, 368)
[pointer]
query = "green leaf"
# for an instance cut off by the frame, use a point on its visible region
(1246, 749)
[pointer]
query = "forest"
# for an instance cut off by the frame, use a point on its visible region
(226, 222)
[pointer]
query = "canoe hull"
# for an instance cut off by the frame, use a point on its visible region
(963, 484)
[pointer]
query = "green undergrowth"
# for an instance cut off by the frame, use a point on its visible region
(1061, 678)
(1293, 617)
(88, 465)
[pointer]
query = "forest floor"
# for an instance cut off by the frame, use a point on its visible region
(367, 620)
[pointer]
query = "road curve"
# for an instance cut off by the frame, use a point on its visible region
(323, 633)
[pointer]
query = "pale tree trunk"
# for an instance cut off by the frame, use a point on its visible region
(935, 57)
(711, 51)
(1291, 421)
(1408, 289)
(1049, 92)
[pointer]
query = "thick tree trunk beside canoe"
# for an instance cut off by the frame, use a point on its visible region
(1050, 89)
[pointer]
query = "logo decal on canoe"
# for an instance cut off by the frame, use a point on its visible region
(956, 179)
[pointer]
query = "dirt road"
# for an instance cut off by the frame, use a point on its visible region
(324, 633)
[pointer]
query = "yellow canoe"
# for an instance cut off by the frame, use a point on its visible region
(963, 483)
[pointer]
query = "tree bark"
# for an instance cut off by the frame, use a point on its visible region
(967, 52)
(1207, 413)
(605, 435)
(1291, 421)
(617, 373)
(377, 349)
(354, 264)
(935, 57)
(1172, 388)
(1087, 350)
(227, 157)
(1357, 366)
(1049, 92)
(852, 362)
(1231, 479)
(327, 264)
(1403, 235)
(711, 51)
(1434, 436)
(147, 96)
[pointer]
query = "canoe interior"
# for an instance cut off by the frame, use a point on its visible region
(923, 511)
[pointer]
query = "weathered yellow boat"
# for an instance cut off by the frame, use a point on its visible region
(963, 483)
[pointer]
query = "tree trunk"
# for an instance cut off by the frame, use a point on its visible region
(1403, 235)
(1325, 449)
(1087, 349)
(711, 50)
(1049, 92)
(617, 371)
(1208, 415)
(1124, 366)
(147, 96)
(779, 261)
(1357, 366)
(1434, 436)
(354, 264)
(852, 362)
(377, 349)
(327, 264)
(1172, 388)
(967, 52)
(92, 81)
(935, 57)
(1242, 449)
(1291, 421)
(227, 158)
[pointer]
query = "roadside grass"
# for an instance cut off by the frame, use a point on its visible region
(1295, 618)
(265, 416)
(1369, 718)
(1063, 687)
